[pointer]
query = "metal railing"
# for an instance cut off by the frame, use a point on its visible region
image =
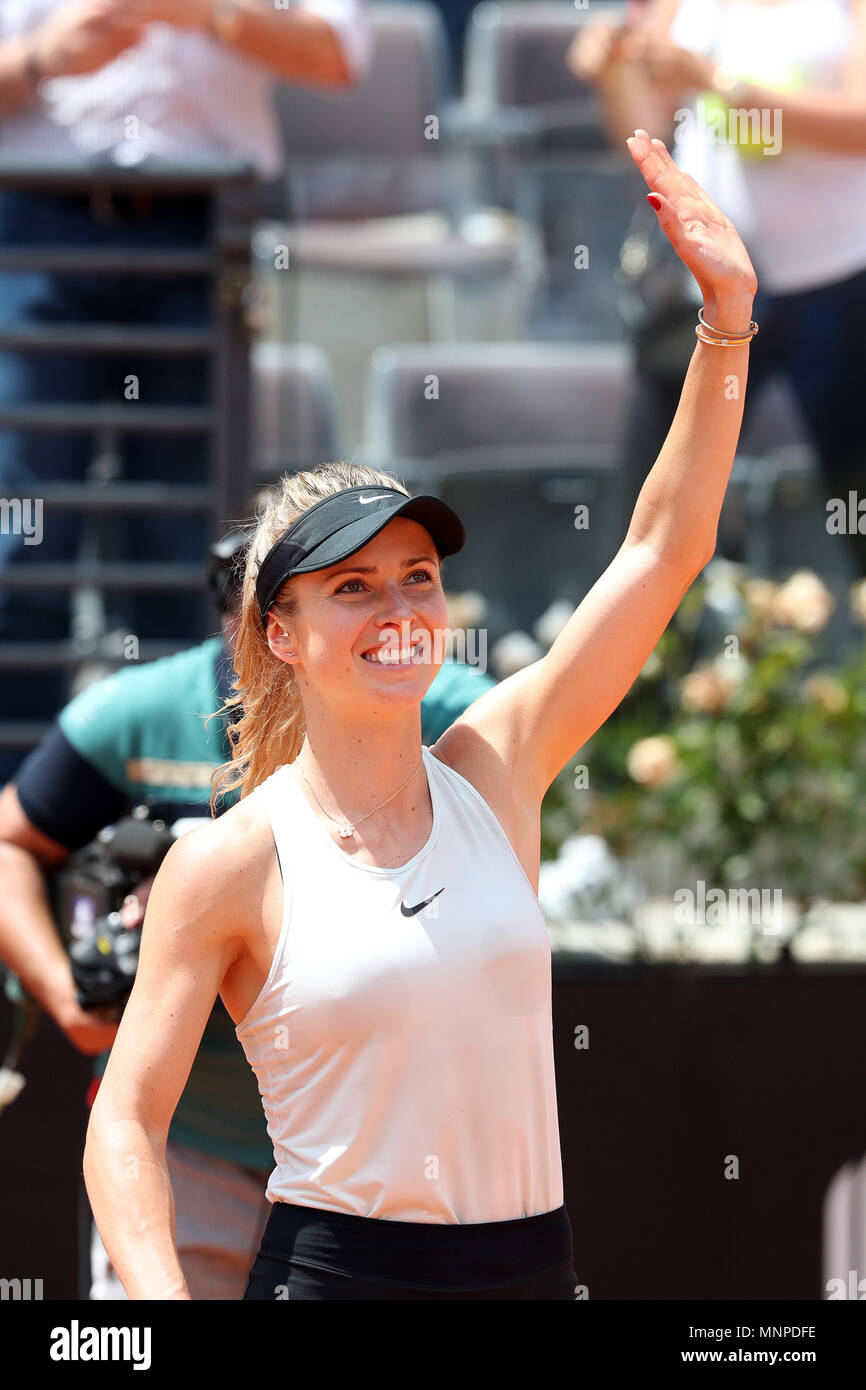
(223, 421)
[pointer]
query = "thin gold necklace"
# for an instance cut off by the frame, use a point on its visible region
(347, 828)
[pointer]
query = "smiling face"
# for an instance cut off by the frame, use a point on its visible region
(368, 631)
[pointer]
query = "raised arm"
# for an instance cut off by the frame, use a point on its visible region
(206, 886)
(536, 720)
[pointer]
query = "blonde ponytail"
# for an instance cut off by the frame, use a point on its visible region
(271, 727)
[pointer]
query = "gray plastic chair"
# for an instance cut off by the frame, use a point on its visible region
(294, 409)
(516, 436)
(365, 150)
(515, 73)
(542, 151)
(377, 250)
(523, 398)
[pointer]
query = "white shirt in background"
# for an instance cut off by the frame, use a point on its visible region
(801, 212)
(191, 97)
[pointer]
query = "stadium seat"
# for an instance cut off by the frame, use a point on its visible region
(294, 409)
(385, 240)
(369, 150)
(518, 437)
(541, 150)
(516, 81)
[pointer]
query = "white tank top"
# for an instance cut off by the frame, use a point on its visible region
(405, 1057)
(801, 211)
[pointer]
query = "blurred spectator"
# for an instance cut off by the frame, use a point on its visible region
(121, 82)
(763, 102)
(140, 736)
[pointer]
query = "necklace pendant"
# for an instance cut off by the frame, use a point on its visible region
(346, 830)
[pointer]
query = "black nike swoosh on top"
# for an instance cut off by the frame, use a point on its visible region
(410, 911)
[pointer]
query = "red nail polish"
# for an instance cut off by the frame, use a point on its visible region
(654, 200)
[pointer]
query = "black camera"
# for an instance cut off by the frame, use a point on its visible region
(90, 888)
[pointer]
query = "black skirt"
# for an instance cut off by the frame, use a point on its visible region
(308, 1253)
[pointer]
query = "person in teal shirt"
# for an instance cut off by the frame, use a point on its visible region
(141, 736)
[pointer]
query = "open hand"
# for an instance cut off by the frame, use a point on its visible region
(91, 1031)
(83, 36)
(593, 48)
(705, 240)
(663, 62)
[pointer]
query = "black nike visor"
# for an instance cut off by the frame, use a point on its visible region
(337, 526)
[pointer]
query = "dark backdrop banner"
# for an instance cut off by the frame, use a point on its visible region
(681, 1077)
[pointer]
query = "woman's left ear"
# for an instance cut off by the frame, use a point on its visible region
(280, 641)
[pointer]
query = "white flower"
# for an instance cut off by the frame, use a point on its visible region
(552, 621)
(707, 689)
(803, 602)
(514, 651)
(732, 669)
(652, 667)
(586, 883)
(858, 601)
(721, 592)
(760, 597)
(465, 609)
(824, 690)
(652, 761)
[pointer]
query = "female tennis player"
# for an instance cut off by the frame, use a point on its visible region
(367, 908)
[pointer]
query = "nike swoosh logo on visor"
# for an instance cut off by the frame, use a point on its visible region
(377, 497)
(410, 911)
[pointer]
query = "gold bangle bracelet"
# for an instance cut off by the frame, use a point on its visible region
(721, 335)
(723, 342)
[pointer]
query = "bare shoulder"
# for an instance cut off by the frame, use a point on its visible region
(217, 871)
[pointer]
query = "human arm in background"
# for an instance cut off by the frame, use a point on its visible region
(817, 117)
(325, 42)
(65, 791)
(79, 37)
(627, 93)
(30, 944)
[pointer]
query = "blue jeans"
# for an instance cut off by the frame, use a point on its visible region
(30, 458)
